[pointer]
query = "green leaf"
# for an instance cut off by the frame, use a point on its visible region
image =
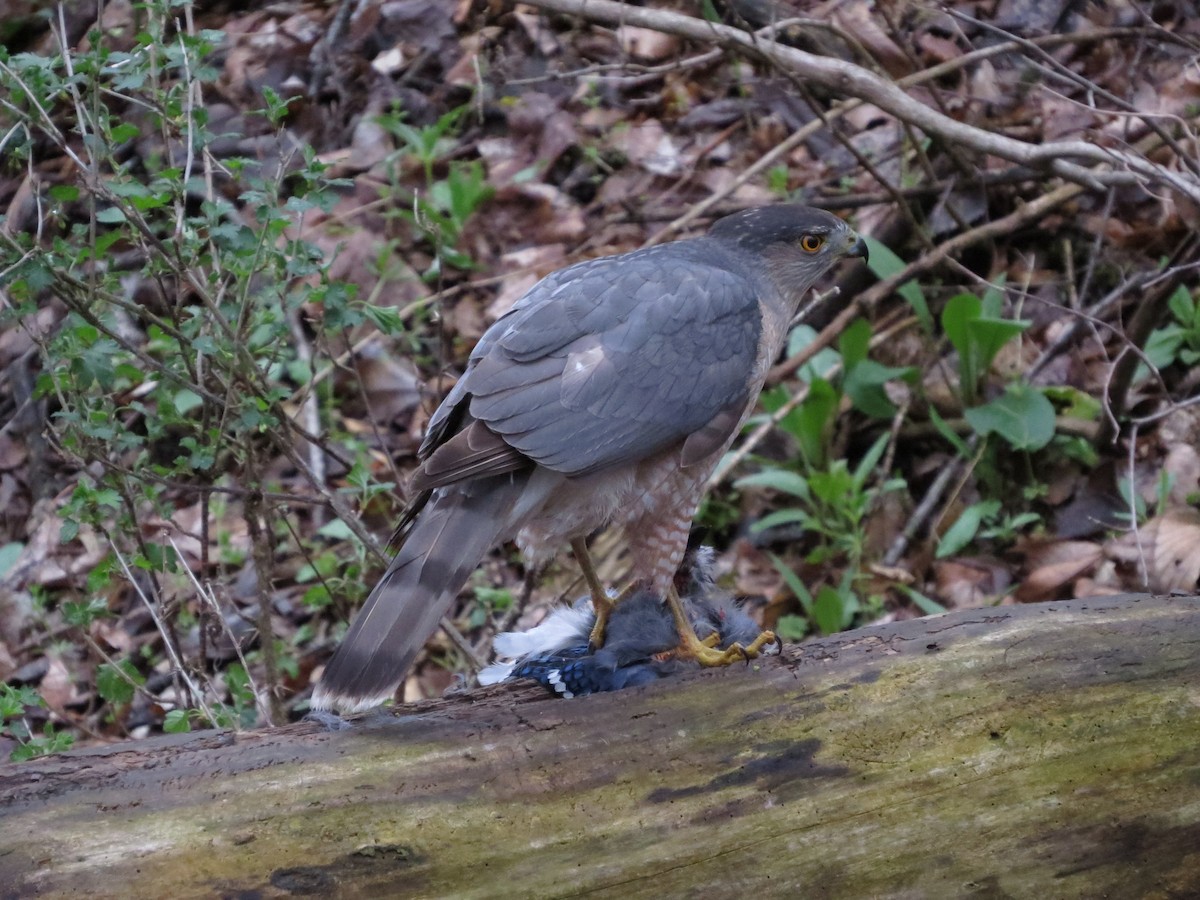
(964, 529)
(385, 318)
(64, 193)
(944, 429)
(115, 684)
(884, 263)
(925, 604)
(822, 362)
(791, 627)
(864, 383)
(110, 215)
(854, 343)
(989, 335)
(832, 611)
(1022, 416)
(1074, 403)
(870, 460)
(777, 180)
(776, 479)
(795, 585)
(814, 418)
(124, 131)
(80, 614)
(177, 721)
(186, 400)
(13, 700)
(976, 337)
(495, 599)
(8, 556)
(1161, 349)
(335, 529)
(781, 517)
(960, 310)
(1010, 527)
(832, 486)
(993, 298)
(1182, 306)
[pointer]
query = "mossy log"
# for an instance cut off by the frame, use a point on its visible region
(1051, 749)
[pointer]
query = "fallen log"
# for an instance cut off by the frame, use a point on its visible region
(1051, 748)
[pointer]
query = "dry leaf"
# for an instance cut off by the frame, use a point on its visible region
(1169, 548)
(1054, 565)
(648, 145)
(56, 686)
(647, 44)
(966, 583)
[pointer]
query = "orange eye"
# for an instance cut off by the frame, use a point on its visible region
(811, 243)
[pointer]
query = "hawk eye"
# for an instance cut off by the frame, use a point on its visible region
(811, 243)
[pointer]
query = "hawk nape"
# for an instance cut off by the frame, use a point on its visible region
(606, 395)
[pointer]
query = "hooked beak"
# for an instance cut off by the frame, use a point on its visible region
(859, 248)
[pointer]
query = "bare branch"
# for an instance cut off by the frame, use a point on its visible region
(1110, 166)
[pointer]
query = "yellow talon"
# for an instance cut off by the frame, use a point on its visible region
(706, 655)
(756, 647)
(704, 651)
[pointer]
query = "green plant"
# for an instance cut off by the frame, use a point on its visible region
(884, 263)
(986, 520)
(117, 682)
(1135, 506)
(1022, 416)
(14, 701)
(831, 375)
(241, 711)
(827, 499)
(488, 602)
(977, 330)
(440, 212)
(1178, 341)
(174, 385)
(777, 181)
(830, 504)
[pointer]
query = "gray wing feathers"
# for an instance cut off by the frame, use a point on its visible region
(608, 362)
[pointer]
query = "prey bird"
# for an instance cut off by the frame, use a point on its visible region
(606, 395)
(640, 640)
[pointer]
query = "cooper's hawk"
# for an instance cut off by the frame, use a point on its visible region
(606, 395)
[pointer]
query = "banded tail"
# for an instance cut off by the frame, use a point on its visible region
(444, 544)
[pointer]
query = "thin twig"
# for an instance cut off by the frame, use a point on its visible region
(211, 601)
(176, 662)
(1063, 158)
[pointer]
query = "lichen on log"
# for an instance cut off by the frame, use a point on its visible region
(1008, 751)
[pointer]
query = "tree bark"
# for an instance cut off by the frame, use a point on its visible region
(1049, 749)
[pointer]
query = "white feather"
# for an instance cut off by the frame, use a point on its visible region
(567, 626)
(496, 672)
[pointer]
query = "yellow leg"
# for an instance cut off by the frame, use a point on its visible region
(703, 651)
(601, 602)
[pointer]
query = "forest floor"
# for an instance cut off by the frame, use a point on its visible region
(1000, 411)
